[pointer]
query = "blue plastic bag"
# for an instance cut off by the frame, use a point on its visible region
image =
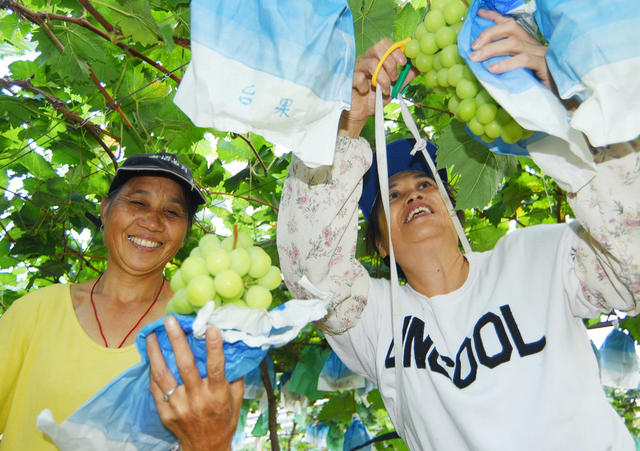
(335, 376)
(316, 435)
(356, 436)
(560, 150)
(279, 68)
(618, 360)
(253, 385)
(123, 415)
(124, 411)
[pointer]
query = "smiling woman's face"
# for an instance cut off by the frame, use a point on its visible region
(417, 213)
(145, 224)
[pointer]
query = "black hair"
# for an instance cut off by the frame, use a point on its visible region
(373, 233)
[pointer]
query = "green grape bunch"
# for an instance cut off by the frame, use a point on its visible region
(231, 271)
(433, 50)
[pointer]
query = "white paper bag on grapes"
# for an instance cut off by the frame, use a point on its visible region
(280, 69)
(228, 284)
(563, 153)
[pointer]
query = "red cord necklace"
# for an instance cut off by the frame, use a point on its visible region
(95, 313)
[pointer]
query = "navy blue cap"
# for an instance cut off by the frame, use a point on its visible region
(159, 165)
(399, 159)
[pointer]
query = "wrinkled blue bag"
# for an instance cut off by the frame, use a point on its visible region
(356, 436)
(125, 411)
(123, 415)
(279, 68)
(558, 148)
(619, 365)
(335, 376)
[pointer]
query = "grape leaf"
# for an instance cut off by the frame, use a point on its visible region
(16, 111)
(234, 149)
(37, 166)
(483, 235)
(80, 47)
(134, 19)
(632, 324)
(481, 171)
(372, 20)
(406, 22)
(339, 407)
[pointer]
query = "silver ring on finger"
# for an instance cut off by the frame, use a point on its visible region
(167, 394)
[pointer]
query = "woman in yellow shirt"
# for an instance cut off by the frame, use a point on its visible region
(60, 344)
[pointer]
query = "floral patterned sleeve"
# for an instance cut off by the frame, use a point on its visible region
(318, 229)
(607, 254)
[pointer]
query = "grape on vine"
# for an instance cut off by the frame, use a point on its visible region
(228, 271)
(434, 52)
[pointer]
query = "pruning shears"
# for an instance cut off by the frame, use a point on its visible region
(403, 73)
(405, 69)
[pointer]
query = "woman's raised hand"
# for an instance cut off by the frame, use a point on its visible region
(507, 38)
(203, 412)
(363, 93)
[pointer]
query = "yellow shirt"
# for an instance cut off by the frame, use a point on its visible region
(48, 361)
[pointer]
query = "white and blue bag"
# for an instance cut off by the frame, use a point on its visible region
(592, 55)
(316, 435)
(619, 364)
(253, 385)
(279, 68)
(336, 376)
(123, 415)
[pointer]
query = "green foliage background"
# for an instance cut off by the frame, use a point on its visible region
(60, 136)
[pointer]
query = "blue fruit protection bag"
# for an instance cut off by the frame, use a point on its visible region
(356, 436)
(593, 57)
(123, 415)
(279, 68)
(619, 366)
(336, 376)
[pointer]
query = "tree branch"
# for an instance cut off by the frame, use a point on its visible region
(559, 197)
(38, 17)
(28, 199)
(515, 218)
(273, 407)
(51, 34)
(83, 258)
(86, 4)
(110, 100)
(59, 105)
(182, 42)
(293, 431)
(6, 232)
(255, 152)
(440, 110)
(250, 199)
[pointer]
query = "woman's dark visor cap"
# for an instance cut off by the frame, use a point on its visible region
(399, 159)
(158, 165)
